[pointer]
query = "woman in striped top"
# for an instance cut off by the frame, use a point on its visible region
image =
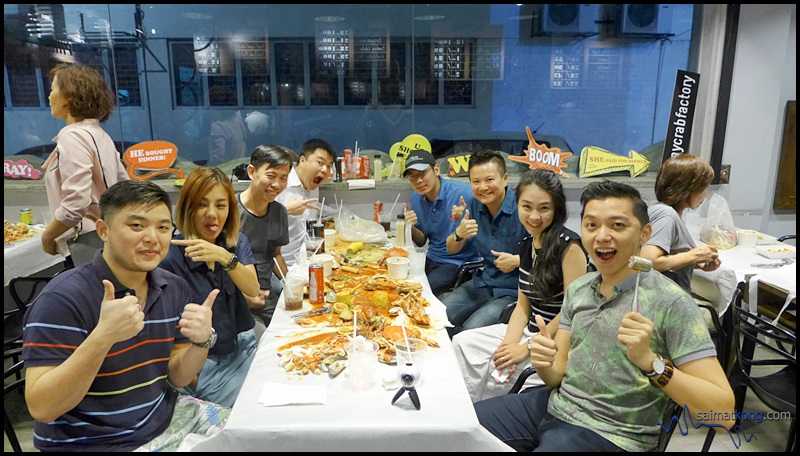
(550, 259)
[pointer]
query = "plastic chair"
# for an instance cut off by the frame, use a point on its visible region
(17, 385)
(465, 272)
(778, 390)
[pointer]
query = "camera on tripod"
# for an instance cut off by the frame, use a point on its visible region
(408, 375)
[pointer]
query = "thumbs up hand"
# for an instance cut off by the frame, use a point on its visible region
(195, 321)
(120, 319)
(506, 262)
(543, 347)
(468, 228)
(458, 211)
(411, 216)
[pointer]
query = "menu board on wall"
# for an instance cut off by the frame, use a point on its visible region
(604, 67)
(487, 59)
(253, 53)
(369, 52)
(207, 54)
(450, 58)
(566, 68)
(333, 47)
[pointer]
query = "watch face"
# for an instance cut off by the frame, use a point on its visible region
(659, 366)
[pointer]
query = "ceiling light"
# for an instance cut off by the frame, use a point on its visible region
(329, 18)
(198, 16)
(429, 17)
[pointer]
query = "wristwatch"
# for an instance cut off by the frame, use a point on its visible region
(209, 344)
(231, 264)
(662, 371)
(457, 237)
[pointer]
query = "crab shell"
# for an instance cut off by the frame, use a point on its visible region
(393, 252)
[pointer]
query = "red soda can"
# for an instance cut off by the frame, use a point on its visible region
(364, 166)
(316, 283)
(377, 208)
(347, 170)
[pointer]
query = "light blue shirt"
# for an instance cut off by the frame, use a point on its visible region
(433, 219)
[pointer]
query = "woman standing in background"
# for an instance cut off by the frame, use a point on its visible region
(85, 161)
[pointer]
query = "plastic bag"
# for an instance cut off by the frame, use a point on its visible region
(357, 229)
(718, 230)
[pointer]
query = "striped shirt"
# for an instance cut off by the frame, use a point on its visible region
(129, 402)
(527, 267)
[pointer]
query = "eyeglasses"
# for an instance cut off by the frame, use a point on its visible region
(418, 176)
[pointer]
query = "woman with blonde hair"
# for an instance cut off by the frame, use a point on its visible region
(682, 183)
(210, 253)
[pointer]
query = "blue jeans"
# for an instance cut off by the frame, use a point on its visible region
(521, 421)
(441, 276)
(469, 307)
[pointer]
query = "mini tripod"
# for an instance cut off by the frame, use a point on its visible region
(408, 376)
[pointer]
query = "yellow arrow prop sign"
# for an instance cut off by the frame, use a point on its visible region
(596, 161)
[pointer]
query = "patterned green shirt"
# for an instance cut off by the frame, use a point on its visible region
(604, 391)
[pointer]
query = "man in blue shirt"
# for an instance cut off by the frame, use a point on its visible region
(105, 343)
(492, 219)
(430, 218)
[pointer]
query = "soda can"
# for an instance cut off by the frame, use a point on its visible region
(377, 208)
(363, 167)
(338, 170)
(26, 216)
(347, 161)
(316, 283)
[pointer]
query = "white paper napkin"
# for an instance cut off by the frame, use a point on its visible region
(358, 184)
(276, 394)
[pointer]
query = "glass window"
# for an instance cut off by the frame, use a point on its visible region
(464, 76)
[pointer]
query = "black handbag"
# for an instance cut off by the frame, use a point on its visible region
(83, 246)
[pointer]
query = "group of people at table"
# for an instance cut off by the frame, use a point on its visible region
(150, 340)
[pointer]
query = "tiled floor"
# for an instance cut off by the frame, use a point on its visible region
(766, 436)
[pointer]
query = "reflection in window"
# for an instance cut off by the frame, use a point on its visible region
(289, 74)
(187, 84)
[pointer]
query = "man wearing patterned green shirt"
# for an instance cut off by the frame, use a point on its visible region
(613, 371)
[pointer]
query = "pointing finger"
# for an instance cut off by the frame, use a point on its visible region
(211, 297)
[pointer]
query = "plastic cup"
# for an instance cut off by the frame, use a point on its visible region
(326, 261)
(46, 217)
(313, 244)
(398, 267)
(361, 362)
(418, 257)
(330, 239)
(293, 297)
(413, 352)
(385, 219)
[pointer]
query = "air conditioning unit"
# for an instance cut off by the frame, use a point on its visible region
(568, 19)
(644, 19)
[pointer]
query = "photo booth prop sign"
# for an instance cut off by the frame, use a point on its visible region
(543, 157)
(20, 170)
(149, 159)
(400, 150)
(596, 161)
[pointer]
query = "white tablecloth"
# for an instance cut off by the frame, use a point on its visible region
(26, 257)
(354, 420)
(737, 264)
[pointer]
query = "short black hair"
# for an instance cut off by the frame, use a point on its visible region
(271, 155)
(484, 156)
(609, 189)
(132, 193)
(313, 144)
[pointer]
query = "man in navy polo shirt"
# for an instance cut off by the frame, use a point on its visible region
(104, 342)
(429, 217)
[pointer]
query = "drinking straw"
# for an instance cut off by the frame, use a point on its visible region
(335, 200)
(355, 325)
(405, 336)
(339, 218)
(393, 205)
(280, 272)
(321, 208)
(391, 171)
(317, 249)
(356, 149)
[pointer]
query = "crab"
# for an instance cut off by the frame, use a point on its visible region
(393, 252)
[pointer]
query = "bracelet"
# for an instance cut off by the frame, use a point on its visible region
(457, 237)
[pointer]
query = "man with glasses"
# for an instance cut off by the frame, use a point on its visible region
(429, 216)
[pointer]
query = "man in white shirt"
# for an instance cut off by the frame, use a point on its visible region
(313, 168)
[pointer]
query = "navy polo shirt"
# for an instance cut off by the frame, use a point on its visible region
(230, 314)
(501, 233)
(129, 402)
(433, 219)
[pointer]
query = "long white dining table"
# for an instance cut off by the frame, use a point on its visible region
(344, 419)
(26, 257)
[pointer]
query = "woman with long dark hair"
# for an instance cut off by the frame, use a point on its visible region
(551, 257)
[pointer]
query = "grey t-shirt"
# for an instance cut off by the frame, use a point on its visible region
(266, 234)
(671, 235)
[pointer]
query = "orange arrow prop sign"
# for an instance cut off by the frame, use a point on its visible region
(595, 161)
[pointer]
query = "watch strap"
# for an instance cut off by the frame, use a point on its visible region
(209, 342)
(231, 263)
(663, 379)
(456, 236)
(652, 372)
